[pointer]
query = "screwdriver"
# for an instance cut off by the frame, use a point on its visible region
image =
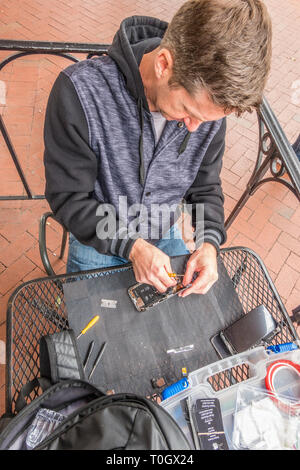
(98, 359)
(89, 325)
(175, 275)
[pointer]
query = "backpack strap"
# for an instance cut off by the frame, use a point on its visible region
(38, 382)
(59, 357)
(59, 360)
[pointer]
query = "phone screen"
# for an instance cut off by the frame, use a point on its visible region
(250, 329)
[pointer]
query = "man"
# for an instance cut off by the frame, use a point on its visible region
(147, 123)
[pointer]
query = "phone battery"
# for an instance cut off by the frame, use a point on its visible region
(209, 424)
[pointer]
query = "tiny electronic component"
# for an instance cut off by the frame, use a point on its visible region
(184, 372)
(158, 383)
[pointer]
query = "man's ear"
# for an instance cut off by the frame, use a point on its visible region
(163, 64)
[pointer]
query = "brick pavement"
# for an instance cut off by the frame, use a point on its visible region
(270, 221)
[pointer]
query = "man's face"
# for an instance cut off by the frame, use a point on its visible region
(176, 104)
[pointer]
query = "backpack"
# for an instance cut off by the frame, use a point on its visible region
(73, 414)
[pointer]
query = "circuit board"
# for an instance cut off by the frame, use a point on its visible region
(145, 295)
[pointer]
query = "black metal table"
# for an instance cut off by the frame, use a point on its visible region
(38, 307)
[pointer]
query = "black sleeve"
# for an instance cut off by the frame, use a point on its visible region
(207, 190)
(71, 168)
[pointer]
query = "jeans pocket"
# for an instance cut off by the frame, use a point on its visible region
(72, 239)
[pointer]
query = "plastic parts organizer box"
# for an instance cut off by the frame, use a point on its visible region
(221, 380)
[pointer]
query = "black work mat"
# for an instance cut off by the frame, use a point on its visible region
(137, 341)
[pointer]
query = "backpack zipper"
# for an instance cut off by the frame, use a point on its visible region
(82, 409)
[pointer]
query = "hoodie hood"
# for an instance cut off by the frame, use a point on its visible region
(137, 36)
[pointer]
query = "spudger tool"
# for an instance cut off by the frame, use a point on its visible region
(88, 355)
(102, 349)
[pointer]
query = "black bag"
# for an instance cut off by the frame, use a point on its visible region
(88, 419)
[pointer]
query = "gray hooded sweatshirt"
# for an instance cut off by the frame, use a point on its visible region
(100, 149)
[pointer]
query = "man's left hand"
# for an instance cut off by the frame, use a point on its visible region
(203, 261)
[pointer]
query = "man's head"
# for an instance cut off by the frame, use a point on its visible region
(175, 103)
(220, 49)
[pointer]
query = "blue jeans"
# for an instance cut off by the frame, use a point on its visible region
(84, 258)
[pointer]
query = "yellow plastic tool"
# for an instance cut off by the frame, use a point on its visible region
(89, 325)
(175, 275)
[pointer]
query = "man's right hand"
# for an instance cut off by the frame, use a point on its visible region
(151, 265)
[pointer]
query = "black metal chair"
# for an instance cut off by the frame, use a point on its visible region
(43, 242)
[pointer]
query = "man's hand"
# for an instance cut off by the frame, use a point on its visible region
(203, 261)
(151, 265)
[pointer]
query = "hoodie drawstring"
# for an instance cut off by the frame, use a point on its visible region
(184, 144)
(141, 142)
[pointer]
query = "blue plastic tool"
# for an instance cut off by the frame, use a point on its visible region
(284, 347)
(175, 388)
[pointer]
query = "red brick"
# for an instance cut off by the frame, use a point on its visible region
(231, 234)
(24, 72)
(268, 236)
(247, 229)
(34, 256)
(294, 262)
(241, 166)
(296, 218)
(297, 286)
(16, 248)
(229, 176)
(3, 243)
(227, 162)
(290, 242)
(237, 151)
(276, 190)
(260, 216)
(290, 200)
(35, 274)
(231, 190)
(279, 207)
(285, 225)
(14, 273)
(244, 241)
(277, 257)
(286, 280)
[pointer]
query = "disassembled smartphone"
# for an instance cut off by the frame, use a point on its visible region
(145, 296)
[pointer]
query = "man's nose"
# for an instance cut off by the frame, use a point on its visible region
(192, 124)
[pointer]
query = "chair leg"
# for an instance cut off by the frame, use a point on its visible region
(42, 243)
(63, 243)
